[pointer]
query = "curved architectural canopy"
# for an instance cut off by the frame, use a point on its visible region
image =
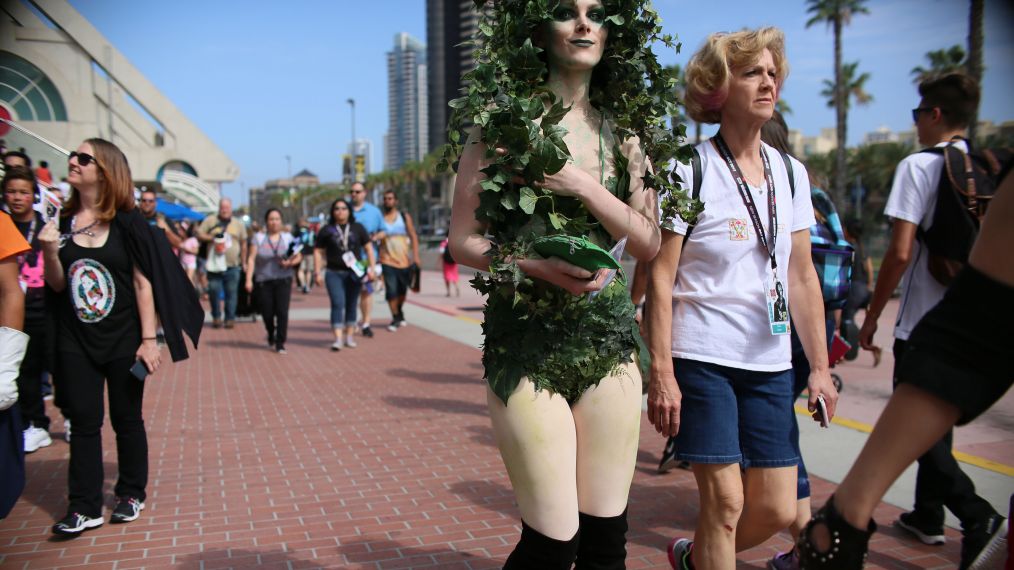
(27, 90)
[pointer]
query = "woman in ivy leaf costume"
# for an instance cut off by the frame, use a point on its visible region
(567, 103)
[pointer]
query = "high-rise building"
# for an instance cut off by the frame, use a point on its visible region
(449, 25)
(406, 138)
(361, 168)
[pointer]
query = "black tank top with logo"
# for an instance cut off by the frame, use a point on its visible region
(98, 309)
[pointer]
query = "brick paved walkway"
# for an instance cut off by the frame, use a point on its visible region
(378, 457)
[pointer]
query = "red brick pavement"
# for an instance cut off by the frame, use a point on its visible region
(378, 457)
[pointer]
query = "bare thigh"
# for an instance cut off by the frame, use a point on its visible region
(607, 418)
(538, 444)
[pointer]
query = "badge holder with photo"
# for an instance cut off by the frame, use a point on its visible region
(778, 309)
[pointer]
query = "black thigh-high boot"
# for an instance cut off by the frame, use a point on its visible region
(537, 551)
(603, 543)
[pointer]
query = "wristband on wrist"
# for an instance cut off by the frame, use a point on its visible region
(144, 338)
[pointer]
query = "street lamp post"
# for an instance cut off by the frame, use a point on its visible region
(352, 149)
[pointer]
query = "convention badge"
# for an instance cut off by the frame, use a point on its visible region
(778, 308)
(48, 204)
(738, 230)
(352, 263)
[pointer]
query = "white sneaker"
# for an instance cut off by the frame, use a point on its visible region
(350, 342)
(336, 346)
(35, 438)
(66, 430)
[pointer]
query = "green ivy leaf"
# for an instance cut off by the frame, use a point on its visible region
(490, 185)
(556, 220)
(528, 200)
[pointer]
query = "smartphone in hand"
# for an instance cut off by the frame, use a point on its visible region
(139, 370)
(822, 412)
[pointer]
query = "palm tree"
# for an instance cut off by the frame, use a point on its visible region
(837, 14)
(976, 37)
(855, 87)
(783, 107)
(942, 61)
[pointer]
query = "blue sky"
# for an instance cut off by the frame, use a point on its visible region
(270, 79)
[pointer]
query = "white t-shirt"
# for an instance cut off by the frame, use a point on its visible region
(719, 301)
(913, 199)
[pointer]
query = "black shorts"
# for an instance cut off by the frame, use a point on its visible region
(396, 281)
(961, 351)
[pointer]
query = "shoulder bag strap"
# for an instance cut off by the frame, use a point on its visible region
(695, 193)
(788, 169)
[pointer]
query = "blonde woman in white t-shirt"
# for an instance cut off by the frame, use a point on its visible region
(721, 378)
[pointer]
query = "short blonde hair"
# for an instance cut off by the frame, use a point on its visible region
(708, 71)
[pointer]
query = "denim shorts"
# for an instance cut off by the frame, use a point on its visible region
(731, 415)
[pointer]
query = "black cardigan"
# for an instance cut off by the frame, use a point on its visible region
(176, 302)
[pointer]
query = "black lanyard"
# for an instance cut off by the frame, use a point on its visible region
(274, 246)
(343, 236)
(29, 257)
(751, 207)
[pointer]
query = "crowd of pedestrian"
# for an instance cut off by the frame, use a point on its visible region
(743, 304)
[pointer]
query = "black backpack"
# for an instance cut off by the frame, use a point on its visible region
(967, 184)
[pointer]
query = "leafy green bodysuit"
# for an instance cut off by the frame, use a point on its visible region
(562, 342)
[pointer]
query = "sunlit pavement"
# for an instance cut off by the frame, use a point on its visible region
(382, 457)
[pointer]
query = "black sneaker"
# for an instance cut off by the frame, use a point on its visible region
(985, 544)
(127, 509)
(367, 332)
(927, 533)
(669, 458)
(75, 523)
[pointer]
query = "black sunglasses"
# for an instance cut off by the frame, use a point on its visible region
(84, 159)
(918, 111)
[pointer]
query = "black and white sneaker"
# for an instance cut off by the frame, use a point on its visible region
(669, 458)
(985, 544)
(367, 331)
(75, 523)
(927, 532)
(127, 509)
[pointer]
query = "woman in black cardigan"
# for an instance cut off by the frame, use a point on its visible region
(111, 276)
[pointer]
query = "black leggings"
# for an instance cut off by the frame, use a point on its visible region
(33, 409)
(274, 296)
(82, 382)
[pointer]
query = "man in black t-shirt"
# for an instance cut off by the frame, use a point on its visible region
(19, 194)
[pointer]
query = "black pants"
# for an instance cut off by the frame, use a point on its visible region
(82, 381)
(939, 481)
(33, 410)
(274, 296)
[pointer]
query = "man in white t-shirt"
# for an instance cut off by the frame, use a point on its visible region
(946, 107)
